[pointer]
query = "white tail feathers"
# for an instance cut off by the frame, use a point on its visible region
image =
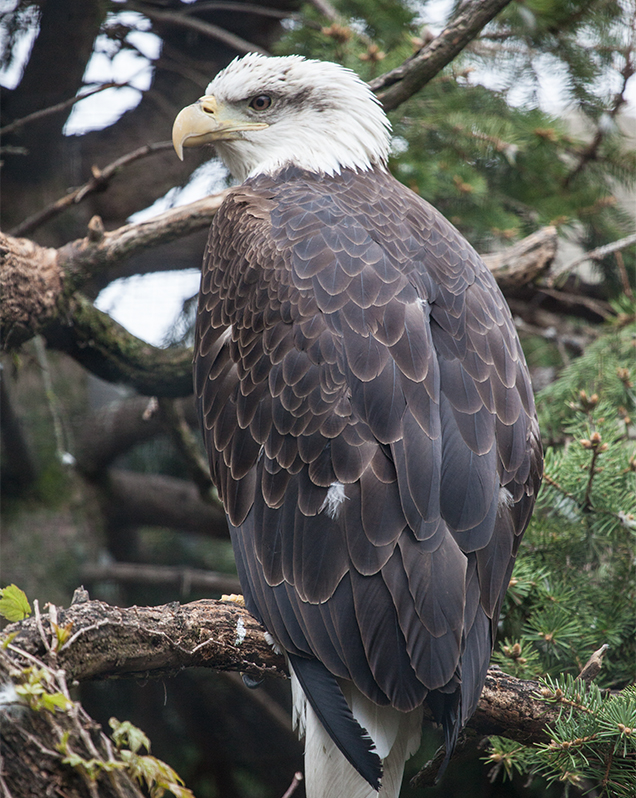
(328, 774)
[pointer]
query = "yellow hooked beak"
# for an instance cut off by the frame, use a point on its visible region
(206, 121)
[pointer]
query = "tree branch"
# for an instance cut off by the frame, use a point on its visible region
(398, 85)
(82, 259)
(117, 427)
(591, 152)
(240, 7)
(206, 28)
(108, 350)
(38, 285)
(595, 254)
(112, 642)
(159, 500)
(526, 260)
(187, 444)
(54, 109)
(98, 182)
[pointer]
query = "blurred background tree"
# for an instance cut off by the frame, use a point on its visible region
(531, 125)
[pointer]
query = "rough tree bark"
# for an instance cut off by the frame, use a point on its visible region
(101, 641)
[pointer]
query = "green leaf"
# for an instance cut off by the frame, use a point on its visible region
(125, 733)
(53, 701)
(14, 605)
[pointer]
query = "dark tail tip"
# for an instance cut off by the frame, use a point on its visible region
(446, 711)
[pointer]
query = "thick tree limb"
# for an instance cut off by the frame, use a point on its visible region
(38, 281)
(111, 642)
(398, 85)
(108, 350)
(524, 261)
(158, 500)
(173, 575)
(32, 283)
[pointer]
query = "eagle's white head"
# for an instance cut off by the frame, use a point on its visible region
(263, 114)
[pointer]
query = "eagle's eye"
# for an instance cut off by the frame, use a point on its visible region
(261, 102)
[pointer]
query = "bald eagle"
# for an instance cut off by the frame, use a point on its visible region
(368, 416)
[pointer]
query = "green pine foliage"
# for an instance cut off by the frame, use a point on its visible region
(592, 745)
(574, 588)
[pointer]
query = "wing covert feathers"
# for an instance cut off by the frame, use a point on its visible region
(371, 430)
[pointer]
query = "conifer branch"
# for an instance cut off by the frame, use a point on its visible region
(591, 152)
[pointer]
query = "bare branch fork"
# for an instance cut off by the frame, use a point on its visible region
(142, 642)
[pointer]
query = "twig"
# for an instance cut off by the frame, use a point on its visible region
(548, 479)
(596, 448)
(590, 153)
(6, 792)
(594, 254)
(395, 87)
(298, 777)
(620, 262)
(187, 445)
(206, 28)
(273, 709)
(242, 8)
(593, 666)
(38, 621)
(597, 306)
(59, 428)
(98, 182)
(426, 777)
(53, 109)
